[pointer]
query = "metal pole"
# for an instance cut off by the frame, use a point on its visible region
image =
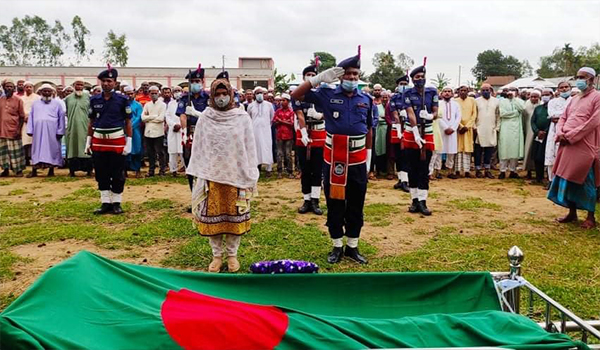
(515, 257)
(459, 68)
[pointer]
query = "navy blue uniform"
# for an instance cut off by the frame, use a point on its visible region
(200, 103)
(401, 158)
(346, 116)
(109, 114)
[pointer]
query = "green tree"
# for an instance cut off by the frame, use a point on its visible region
(327, 60)
(387, 70)
(282, 82)
(80, 34)
(116, 50)
(493, 63)
(405, 62)
(441, 81)
(565, 61)
(32, 41)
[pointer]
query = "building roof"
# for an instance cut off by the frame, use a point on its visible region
(530, 82)
(499, 80)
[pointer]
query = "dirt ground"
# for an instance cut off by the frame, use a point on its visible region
(515, 202)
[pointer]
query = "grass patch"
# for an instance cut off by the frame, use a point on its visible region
(156, 180)
(378, 212)
(5, 183)
(446, 229)
(499, 225)
(6, 300)
(7, 260)
(86, 192)
(522, 192)
(408, 220)
(61, 179)
(474, 204)
(17, 192)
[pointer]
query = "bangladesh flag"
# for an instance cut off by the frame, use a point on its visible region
(95, 303)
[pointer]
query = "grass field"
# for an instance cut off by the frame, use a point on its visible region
(44, 221)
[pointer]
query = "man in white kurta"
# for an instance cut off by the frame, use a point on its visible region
(448, 119)
(153, 117)
(174, 131)
(487, 125)
(510, 144)
(556, 107)
(534, 101)
(29, 97)
(262, 113)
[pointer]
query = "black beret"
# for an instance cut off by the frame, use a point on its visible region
(312, 68)
(351, 62)
(108, 73)
(419, 69)
(402, 78)
(223, 75)
(196, 74)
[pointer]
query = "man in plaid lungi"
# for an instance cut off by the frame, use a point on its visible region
(12, 116)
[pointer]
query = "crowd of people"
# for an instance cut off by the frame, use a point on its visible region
(319, 132)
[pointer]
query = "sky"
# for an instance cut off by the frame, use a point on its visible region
(449, 33)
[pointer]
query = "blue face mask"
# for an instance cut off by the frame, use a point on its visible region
(196, 88)
(419, 83)
(565, 94)
(349, 85)
(402, 88)
(485, 94)
(581, 84)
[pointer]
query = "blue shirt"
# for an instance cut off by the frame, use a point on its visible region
(413, 98)
(199, 104)
(344, 115)
(109, 113)
(136, 130)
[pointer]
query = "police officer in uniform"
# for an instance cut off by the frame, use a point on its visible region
(310, 140)
(109, 141)
(189, 114)
(399, 116)
(348, 117)
(418, 137)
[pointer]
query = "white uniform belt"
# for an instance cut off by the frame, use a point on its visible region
(319, 126)
(355, 141)
(112, 135)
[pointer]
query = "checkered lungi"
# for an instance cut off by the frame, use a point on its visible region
(11, 153)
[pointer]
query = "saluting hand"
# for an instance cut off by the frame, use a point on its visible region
(328, 76)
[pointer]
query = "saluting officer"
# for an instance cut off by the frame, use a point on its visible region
(189, 114)
(109, 141)
(399, 117)
(418, 137)
(310, 140)
(348, 117)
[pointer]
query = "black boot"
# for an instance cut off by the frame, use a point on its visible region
(315, 206)
(423, 208)
(353, 254)
(414, 207)
(4, 173)
(398, 185)
(404, 187)
(306, 207)
(514, 175)
(117, 208)
(335, 256)
(104, 209)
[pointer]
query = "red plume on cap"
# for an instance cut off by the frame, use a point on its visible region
(199, 66)
(424, 61)
(358, 51)
(109, 66)
(317, 61)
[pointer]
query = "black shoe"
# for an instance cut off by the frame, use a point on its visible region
(398, 185)
(514, 175)
(423, 208)
(306, 207)
(189, 210)
(353, 254)
(414, 207)
(117, 208)
(4, 173)
(438, 176)
(105, 208)
(71, 173)
(404, 187)
(502, 176)
(489, 175)
(335, 256)
(315, 206)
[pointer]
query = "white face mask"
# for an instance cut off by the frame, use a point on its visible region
(47, 99)
(177, 95)
(545, 99)
(259, 97)
(222, 101)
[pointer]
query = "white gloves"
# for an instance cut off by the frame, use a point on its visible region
(312, 113)
(398, 128)
(305, 139)
(420, 142)
(127, 148)
(190, 110)
(369, 154)
(425, 116)
(88, 145)
(328, 76)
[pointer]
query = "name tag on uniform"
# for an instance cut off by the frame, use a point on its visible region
(336, 101)
(98, 106)
(336, 114)
(362, 105)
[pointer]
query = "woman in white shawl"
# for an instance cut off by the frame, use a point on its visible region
(224, 162)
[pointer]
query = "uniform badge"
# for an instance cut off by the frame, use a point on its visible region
(336, 114)
(339, 169)
(298, 103)
(97, 106)
(336, 101)
(435, 98)
(128, 110)
(181, 104)
(109, 74)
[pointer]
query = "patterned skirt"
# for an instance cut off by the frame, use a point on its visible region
(564, 192)
(220, 209)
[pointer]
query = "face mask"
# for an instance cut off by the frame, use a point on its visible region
(236, 99)
(259, 97)
(196, 88)
(565, 94)
(222, 101)
(349, 85)
(486, 94)
(545, 99)
(419, 83)
(581, 84)
(154, 97)
(177, 95)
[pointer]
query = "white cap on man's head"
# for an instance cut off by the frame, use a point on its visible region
(588, 70)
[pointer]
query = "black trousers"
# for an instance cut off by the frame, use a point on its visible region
(401, 158)
(538, 151)
(487, 156)
(109, 167)
(187, 154)
(418, 174)
(156, 149)
(347, 213)
(312, 169)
